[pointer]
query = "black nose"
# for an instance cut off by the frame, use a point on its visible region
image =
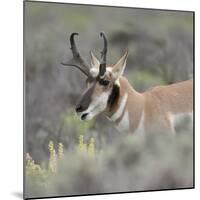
(79, 108)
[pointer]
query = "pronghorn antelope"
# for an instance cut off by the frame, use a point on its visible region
(109, 92)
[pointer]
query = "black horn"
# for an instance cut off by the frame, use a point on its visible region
(102, 68)
(77, 61)
(104, 51)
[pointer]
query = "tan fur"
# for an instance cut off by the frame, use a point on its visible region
(157, 104)
(134, 111)
(98, 89)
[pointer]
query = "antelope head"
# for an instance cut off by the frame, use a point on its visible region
(103, 87)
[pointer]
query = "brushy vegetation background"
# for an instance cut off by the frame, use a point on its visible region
(67, 157)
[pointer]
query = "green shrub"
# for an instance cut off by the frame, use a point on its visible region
(71, 120)
(143, 80)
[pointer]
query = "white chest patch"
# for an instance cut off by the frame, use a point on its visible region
(140, 130)
(184, 120)
(124, 123)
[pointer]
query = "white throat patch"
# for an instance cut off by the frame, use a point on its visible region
(124, 123)
(121, 108)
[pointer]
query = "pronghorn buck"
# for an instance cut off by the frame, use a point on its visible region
(109, 92)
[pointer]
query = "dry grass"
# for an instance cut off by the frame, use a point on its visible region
(134, 164)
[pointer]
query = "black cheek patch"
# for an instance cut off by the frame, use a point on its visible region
(113, 96)
(86, 98)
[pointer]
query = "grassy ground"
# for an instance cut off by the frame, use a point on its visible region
(134, 164)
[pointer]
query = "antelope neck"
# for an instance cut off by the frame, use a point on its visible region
(129, 105)
(118, 114)
(117, 103)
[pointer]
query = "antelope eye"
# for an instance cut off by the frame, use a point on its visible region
(104, 82)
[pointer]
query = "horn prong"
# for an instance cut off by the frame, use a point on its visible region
(77, 61)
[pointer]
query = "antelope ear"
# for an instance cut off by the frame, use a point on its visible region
(94, 61)
(94, 71)
(118, 68)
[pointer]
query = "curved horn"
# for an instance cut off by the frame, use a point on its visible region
(102, 68)
(77, 61)
(104, 51)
